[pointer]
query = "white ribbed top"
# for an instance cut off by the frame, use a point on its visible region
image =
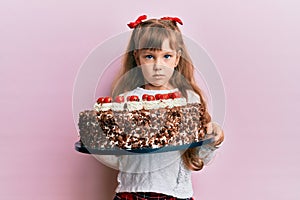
(161, 172)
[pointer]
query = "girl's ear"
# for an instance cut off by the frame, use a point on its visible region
(178, 55)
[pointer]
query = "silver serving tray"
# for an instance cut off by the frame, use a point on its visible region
(79, 146)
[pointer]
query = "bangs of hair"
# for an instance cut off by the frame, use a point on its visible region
(153, 38)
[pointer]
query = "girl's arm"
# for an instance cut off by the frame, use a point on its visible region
(214, 129)
(109, 160)
(207, 152)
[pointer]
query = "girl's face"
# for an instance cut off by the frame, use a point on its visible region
(157, 66)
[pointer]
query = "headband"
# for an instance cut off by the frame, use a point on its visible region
(143, 17)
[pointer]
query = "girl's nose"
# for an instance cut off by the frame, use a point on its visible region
(157, 64)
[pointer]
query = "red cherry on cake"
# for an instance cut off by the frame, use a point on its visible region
(164, 96)
(134, 98)
(175, 95)
(150, 98)
(158, 96)
(119, 99)
(107, 100)
(144, 97)
(100, 100)
(172, 95)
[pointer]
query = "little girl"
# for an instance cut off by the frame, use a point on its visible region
(157, 62)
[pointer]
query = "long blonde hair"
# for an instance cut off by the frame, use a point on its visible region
(150, 34)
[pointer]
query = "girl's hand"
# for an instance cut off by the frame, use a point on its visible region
(214, 129)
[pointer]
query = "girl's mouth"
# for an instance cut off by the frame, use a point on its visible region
(158, 76)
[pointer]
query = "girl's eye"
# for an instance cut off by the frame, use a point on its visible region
(148, 56)
(167, 56)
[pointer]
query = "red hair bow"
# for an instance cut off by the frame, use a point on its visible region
(174, 19)
(137, 22)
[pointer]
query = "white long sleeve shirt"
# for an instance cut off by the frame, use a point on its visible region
(158, 172)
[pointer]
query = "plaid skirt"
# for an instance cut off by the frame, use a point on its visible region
(145, 196)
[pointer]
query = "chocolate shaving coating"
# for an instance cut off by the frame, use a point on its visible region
(142, 128)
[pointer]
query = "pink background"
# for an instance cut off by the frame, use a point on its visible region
(254, 44)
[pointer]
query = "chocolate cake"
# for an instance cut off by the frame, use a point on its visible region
(153, 122)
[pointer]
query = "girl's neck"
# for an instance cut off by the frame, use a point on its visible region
(153, 87)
